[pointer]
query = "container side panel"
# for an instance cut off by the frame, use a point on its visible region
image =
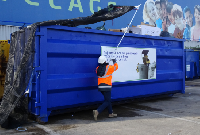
(71, 56)
(119, 92)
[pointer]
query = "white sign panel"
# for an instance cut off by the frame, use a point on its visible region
(187, 67)
(135, 64)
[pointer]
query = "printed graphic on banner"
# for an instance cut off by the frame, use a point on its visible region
(181, 19)
(135, 64)
(180, 22)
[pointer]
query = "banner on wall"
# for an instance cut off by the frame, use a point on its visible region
(135, 64)
(179, 21)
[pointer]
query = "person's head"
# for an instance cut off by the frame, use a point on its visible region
(178, 15)
(150, 10)
(197, 13)
(188, 16)
(169, 12)
(102, 59)
(163, 5)
(158, 8)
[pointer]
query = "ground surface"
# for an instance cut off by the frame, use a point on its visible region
(178, 115)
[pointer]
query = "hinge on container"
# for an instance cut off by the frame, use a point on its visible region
(38, 104)
(39, 34)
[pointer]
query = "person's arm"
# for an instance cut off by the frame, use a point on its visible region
(115, 67)
(97, 68)
(115, 64)
(112, 68)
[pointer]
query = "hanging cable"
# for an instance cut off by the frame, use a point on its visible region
(137, 7)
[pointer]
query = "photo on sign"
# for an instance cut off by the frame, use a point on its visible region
(135, 64)
(180, 22)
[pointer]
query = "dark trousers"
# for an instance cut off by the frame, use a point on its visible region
(107, 102)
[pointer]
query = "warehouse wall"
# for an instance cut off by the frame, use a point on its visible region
(5, 31)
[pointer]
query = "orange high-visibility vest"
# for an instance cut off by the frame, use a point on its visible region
(105, 81)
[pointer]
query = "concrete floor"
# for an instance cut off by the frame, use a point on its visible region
(178, 115)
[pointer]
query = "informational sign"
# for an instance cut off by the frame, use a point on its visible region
(187, 67)
(135, 64)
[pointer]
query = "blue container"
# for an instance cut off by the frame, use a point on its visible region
(66, 60)
(192, 64)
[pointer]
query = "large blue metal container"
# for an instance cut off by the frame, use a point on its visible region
(192, 64)
(66, 60)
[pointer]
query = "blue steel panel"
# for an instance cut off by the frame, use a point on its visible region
(192, 59)
(34, 93)
(119, 92)
(69, 57)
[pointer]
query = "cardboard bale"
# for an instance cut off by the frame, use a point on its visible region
(148, 30)
(115, 30)
(146, 24)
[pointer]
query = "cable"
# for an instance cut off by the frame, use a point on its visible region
(126, 29)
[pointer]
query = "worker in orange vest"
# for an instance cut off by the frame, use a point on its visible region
(104, 72)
